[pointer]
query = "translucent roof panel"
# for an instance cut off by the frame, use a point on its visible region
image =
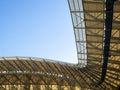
(88, 18)
(77, 14)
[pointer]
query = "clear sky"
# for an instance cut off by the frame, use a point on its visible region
(37, 28)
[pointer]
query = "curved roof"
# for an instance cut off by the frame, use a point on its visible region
(88, 17)
(36, 66)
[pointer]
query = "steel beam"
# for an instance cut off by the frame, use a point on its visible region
(108, 30)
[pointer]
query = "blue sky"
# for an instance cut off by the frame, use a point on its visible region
(37, 28)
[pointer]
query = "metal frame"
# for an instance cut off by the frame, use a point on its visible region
(80, 33)
(90, 29)
(96, 21)
(108, 30)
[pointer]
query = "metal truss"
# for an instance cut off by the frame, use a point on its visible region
(107, 37)
(26, 73)
(92, 13)
(89, 23)
(80, 33)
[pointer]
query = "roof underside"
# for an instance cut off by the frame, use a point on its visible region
(26, 73)
(89, 25)
(88, 18)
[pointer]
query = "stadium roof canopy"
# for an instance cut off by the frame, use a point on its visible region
(88, 18)
(96, 27)
(97, 35)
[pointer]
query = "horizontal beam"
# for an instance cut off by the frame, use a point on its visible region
(92, 11)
